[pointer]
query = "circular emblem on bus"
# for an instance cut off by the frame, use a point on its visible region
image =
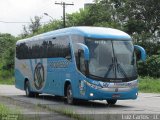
(39, 76)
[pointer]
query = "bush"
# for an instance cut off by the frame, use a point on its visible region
(151, 47)
(151, 67)
(6, 73)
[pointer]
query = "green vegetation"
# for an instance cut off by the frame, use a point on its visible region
(151, 67)
(7, 48)
(7, 114)
(5, 110)
(7, 77)
(7, 81)
(149, 85)
(68, 112)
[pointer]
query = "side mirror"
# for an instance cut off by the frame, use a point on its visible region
(142, 52)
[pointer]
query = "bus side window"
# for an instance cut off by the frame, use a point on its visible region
(64, 48)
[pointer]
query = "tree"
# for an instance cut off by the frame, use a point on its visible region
(139, 16)
(35, 24)
(56, 24)
(6, 41)
(98, 14)
(80, 18)
(7, 48)
(24, 33)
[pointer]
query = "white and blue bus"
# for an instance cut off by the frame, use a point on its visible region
(89, 63)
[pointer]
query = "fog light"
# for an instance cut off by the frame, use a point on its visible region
(91, 94)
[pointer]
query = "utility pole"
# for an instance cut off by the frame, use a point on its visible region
(64, 5)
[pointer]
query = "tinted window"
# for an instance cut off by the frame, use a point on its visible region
(59, 47)
(56, 47)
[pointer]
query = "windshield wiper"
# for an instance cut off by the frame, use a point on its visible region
(111, 66)
(121, 70)
(115, 66)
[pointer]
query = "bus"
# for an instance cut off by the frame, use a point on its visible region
(87, 63)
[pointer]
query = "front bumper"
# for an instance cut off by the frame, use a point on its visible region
(98, 94)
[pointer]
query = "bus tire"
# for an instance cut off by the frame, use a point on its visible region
(70, 99)
(111, 102)
(28, 90)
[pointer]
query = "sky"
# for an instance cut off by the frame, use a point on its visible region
(24, 10)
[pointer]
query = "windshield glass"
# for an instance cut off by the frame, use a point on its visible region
(111, 60)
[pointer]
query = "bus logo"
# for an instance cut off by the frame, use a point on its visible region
(39, 76)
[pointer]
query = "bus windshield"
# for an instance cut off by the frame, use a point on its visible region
(111, 60)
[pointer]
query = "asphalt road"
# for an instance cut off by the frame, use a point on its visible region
(146, 103)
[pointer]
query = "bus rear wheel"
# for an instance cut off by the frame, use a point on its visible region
(111, 102)
(70, 99)
(28, 90)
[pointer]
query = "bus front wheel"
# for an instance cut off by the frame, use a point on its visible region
(111, 102)
(70, 99)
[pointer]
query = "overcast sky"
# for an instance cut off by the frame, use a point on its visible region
(24, 10)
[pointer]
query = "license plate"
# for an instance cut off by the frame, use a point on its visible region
(115, 96)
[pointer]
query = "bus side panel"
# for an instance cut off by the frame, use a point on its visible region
(56, 74)
(21, 72)
(76, 85)
(38, 74)
(19, 80)
(53, 83)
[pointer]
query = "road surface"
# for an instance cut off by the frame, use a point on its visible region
(146, 103)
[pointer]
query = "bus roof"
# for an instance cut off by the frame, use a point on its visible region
(86, 31)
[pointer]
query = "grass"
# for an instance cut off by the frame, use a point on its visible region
(149, 84)
(4, 109)
(7, 114)
(13, 114)
(67, 112)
